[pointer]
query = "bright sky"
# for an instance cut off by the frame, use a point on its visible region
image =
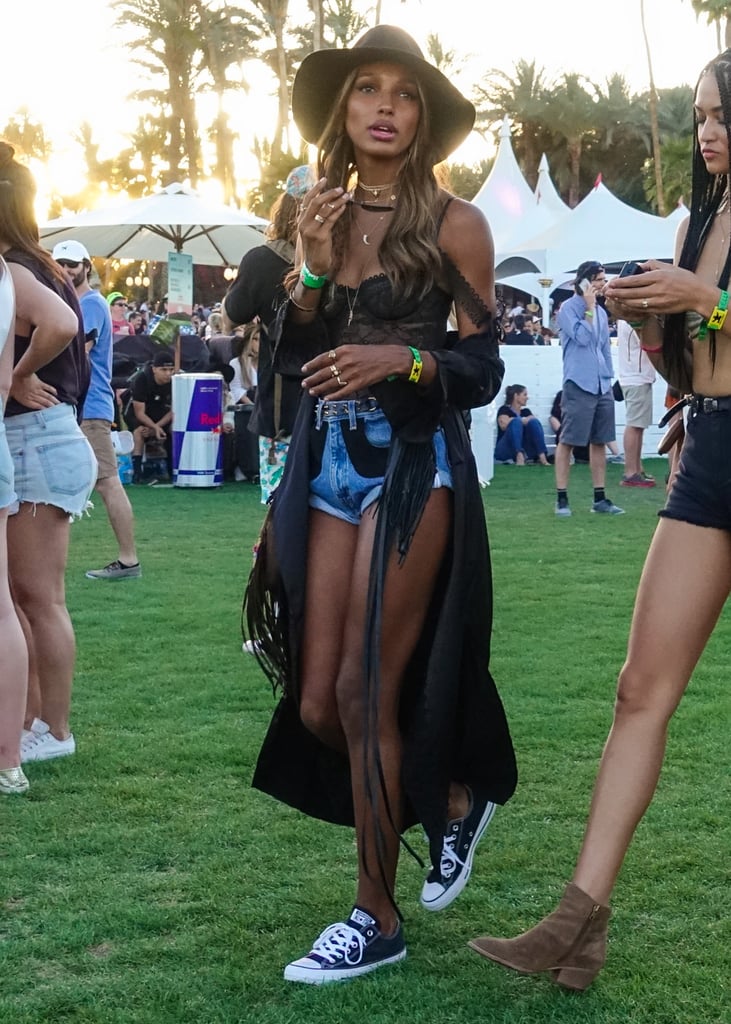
(67, 63)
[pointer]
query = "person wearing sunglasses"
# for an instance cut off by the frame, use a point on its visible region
(118, 307)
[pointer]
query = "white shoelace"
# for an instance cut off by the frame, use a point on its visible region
(337, 942)
(449, 862)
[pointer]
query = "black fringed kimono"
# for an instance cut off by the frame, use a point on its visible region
(452, 719)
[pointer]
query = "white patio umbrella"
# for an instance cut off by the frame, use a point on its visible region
(176, 219)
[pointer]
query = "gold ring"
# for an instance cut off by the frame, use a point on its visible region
(331, 355)
(319, 219)
(645, 303)
(334, 370)
(341, 383)
(330, 206)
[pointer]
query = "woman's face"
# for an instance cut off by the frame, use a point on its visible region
(521, 398)
(712, 137)
(383, 110)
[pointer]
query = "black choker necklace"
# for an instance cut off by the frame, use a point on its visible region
(374, 207)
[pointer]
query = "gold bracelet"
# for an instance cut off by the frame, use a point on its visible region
(303, 309)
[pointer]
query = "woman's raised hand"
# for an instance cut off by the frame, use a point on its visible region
(322, 208)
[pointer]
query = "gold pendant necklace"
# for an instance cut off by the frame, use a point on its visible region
(365, 235)
(375, 190)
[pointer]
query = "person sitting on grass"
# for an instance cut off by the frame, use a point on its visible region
(520, 434)
(151, 408)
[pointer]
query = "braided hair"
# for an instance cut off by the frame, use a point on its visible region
(707, 194)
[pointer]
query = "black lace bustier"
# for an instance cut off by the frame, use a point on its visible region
(372, 315)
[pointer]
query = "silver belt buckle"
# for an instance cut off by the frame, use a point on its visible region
(710, 405)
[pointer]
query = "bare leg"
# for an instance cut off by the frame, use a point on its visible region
(633, 450)
(330, 555)
(408, 592)
(14, 675)
(38, 538)
(670, 628)
(598, 464)
(120, 515)
(561, 465)
(33, 707)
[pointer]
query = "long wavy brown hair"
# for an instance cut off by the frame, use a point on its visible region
(408, 253)
(18, 225)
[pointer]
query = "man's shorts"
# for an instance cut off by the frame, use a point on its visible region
(99, 435)
(586, 418)
(7, 491)
(638, 405)
(54, 463)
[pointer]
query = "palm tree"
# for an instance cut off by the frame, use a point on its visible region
(27, 135)
(659, 194)
(523, 96)
(167, 40)
(572, 115)
(227, 38)
(716, 11)
(272, 17)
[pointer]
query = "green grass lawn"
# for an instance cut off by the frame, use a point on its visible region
(143, 882)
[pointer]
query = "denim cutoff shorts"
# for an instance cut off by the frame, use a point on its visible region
(54, 463)
(701, 491)
(7, 491)
(338, 488)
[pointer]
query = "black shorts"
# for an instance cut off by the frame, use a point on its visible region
(701, 493)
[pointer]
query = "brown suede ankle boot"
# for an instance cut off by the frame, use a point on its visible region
(571, 942)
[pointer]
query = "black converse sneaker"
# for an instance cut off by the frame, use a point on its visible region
(445, 883)
(347, 949)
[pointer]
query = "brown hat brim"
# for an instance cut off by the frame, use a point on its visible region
(321, 75)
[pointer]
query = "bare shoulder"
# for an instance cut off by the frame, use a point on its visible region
(464, 228)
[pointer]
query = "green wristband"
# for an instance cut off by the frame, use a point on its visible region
(310, 280)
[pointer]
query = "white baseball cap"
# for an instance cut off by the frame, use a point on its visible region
(71, 250)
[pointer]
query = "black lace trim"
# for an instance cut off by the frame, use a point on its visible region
(464, 294)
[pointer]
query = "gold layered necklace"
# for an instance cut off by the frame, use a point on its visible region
(375, 190)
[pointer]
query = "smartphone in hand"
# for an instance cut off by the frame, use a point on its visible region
(630, 269)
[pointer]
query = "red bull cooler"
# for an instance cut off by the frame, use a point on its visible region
(197, 422)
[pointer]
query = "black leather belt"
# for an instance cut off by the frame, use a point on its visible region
(700, 403)
(330, 410)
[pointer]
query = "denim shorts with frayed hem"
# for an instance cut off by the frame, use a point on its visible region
(7, 492)
(54, 463)
(338, 487)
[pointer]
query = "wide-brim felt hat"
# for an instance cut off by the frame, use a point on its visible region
(322, 73)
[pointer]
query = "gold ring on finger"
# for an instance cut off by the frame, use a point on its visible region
(334, 370)
(645, 303)
(341, 383)
(330, 206)
(331, 355)
(319, 219)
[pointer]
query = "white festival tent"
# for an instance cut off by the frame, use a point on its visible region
(513, 210)
(546, 192)
(176, 219)
(601, 227)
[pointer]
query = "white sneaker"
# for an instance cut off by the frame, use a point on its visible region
(37, 728)
(44, 747)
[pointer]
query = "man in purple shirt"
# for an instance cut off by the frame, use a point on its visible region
(587, 402)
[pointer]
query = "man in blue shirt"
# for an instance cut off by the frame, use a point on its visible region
(587, 402)
(99, 410)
